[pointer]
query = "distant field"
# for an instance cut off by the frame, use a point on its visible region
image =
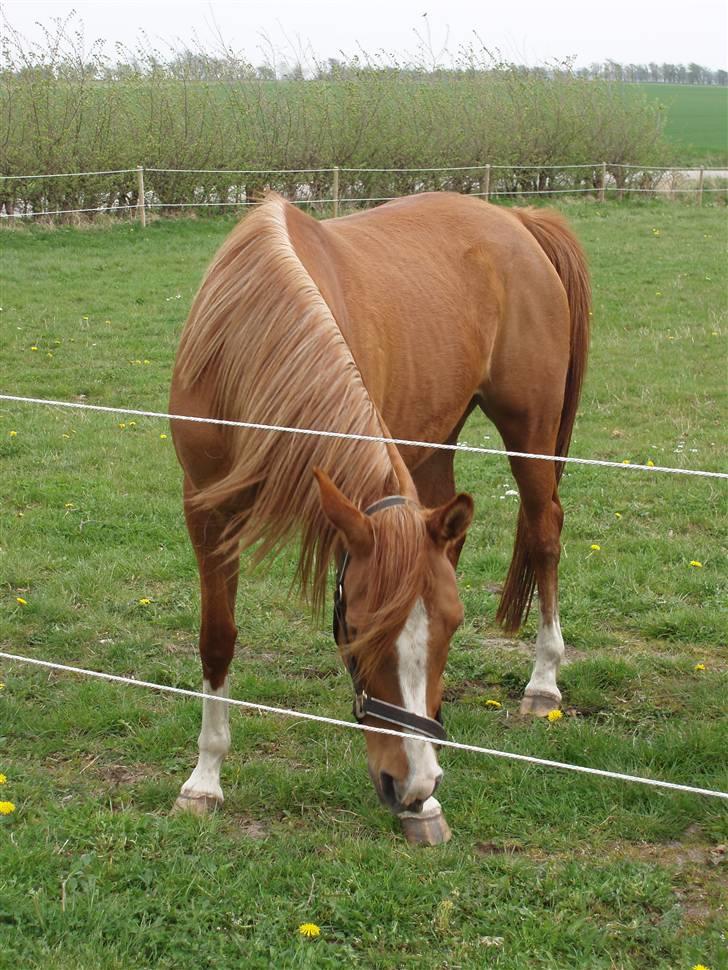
(546, 871)
(697, 120)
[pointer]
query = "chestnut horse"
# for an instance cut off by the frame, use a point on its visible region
(392, 322)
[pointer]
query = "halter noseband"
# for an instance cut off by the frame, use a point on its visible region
(364, 705)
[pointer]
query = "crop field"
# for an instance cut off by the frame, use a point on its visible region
(697, 120)
(546, 869)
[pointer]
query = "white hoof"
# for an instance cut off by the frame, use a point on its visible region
(196, 804)
(539, 705)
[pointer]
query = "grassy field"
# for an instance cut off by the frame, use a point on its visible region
(697, 120)
(545, 869)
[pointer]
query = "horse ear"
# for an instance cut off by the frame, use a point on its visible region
(343, 515)
(451, 521)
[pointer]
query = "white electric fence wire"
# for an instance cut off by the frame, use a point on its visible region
(255, 426)
(352, 725)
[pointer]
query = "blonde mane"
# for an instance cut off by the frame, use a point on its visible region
(264, 343)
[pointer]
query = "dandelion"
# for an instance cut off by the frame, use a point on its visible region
(2, 686)
(700, 966)
(3, 779)
(492, 703)
(144, 601)
(122, 425)
(33, 347)
(21, 601)
(554, 715)
(6, 808)
(699, 667)
(650, 463)
(64, 435)
(595, 548)
(618, 515)
(625, 461)
(309, 930)
(13, 434)
(695, 564)
(163, 437)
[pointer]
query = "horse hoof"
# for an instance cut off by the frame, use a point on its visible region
(539, 705)
(195, 804)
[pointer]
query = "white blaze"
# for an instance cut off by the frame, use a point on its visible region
(412, 648)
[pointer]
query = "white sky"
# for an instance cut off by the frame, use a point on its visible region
(525, 31)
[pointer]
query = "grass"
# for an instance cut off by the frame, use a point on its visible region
(545, 870)
(697, 120)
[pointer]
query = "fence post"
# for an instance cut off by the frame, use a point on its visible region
(141, 210)
(336, 191)
(603, 182)
(485, 183)
(700, 185)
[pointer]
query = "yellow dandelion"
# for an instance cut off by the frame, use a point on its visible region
(163, 437)
(3, 779)
(495, 704)
(650, 463)
(144, 601)
(595, 548)
(6, 808)
(13, 434)
(84, 317)
(2, 686)
(49, 354)
(132, 424)
(700, 966)
(147, 361)
(21, 601)
(625, 461)
(554, 715)
(699, 667)
(33, 347)
(309, 930)
(695, 564)
(64, 435)
(618, 515)
(122, 425)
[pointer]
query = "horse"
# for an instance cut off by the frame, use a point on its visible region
(394, 322)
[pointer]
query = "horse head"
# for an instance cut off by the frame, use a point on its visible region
(401, 610)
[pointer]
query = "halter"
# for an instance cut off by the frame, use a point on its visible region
(364, 704)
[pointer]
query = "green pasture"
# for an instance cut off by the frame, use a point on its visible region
(696, 120)
(546, 869)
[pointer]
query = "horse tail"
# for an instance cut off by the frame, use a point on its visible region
(564, 251)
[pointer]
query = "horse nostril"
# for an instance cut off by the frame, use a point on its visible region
(388, 792)
(437, 782)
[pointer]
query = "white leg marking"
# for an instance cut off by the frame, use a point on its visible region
(213, 743)
(412, 645)
(549, 654)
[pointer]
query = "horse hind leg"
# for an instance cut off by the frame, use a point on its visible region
(536, 559)
(202, 791)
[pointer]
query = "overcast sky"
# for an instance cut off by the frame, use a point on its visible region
(525, 31)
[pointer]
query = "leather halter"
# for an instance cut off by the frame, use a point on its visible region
(364, 704)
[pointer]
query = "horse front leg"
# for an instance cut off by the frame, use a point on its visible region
(202, 792)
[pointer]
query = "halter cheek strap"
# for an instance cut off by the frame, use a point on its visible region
(364, 705)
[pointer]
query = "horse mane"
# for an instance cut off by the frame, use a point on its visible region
(262, 338)
(400, 575)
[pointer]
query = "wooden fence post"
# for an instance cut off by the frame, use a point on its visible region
(336, 191)
(603, 182)
(485, 183)
(141, 210)
(700, 185)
